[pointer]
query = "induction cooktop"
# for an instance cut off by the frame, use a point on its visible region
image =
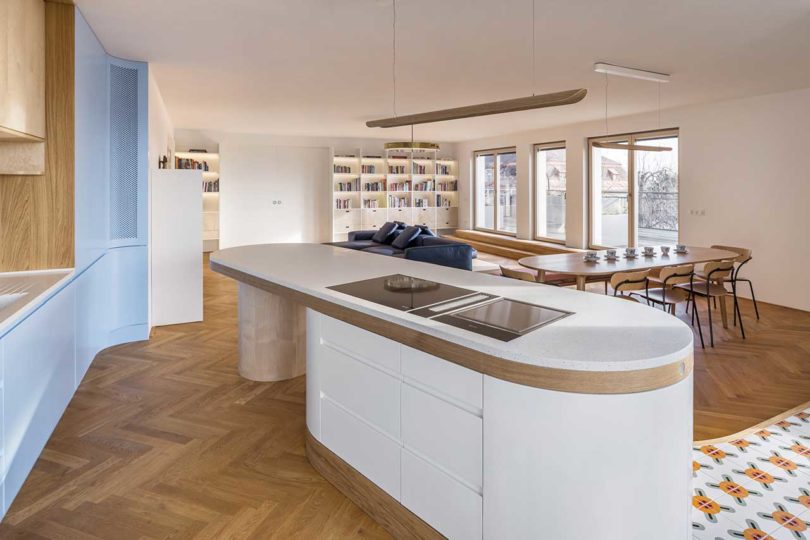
(486, 314)
(402, 292)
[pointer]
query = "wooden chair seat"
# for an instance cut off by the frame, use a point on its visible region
(674, 295)
(715, 289)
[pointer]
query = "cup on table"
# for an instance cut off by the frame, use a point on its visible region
(664, 250)
(630, 252)
(649, 251)
(591, 256)
(680, 248)
(611, 254)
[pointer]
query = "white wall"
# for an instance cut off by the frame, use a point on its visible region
(745, 162)
(161, 129)
(256, 170)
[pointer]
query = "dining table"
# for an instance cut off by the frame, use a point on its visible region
(575, 264)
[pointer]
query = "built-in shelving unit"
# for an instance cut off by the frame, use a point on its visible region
(208, 163)
(415, 186)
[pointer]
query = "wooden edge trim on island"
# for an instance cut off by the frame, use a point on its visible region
(384, 509)
(564, 380)
(762, 425)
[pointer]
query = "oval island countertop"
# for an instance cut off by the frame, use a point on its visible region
(607, 346)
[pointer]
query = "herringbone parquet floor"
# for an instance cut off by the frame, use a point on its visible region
(163, 439)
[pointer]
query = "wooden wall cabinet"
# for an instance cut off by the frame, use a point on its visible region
(22, 70)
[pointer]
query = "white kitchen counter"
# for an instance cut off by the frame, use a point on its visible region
(604, 334)
(22, 292)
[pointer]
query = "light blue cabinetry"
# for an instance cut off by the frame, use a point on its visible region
(38, 382)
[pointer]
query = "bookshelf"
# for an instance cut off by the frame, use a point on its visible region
(208, 163)
(415, 186)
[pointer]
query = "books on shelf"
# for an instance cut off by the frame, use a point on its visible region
(395, 201)
(374, 186)
(210, 186)
(353, 185)
(443, 202)
(427, 185)
(399, 186)
(396, 169)
(447, 186)
(444, 168)
(423, 202)
(419, 168)
(368, 169)
(371, 203)
(343, 204)
(189, 163)
(342, 169)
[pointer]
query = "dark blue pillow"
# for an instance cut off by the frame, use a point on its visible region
(406, 237)
(384, 232)
(424, 229)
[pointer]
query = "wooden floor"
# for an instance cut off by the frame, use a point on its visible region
(163, 439)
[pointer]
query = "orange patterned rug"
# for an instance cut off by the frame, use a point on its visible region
(755, 485)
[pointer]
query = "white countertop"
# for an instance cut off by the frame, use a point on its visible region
(604, 334)
(22, 292)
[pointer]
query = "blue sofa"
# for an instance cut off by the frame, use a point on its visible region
(427, 247)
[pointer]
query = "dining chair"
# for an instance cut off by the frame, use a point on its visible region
(712, 287)
(743, 256)
(668, 294)
(623, 282)
(515, 273)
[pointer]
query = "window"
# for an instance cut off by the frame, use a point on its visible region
(549, 182)
(634, 193)
(496, 190)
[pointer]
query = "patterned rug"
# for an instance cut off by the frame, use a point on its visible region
(755, 485)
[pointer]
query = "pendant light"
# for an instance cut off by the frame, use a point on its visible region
(609, 69)
(554, 99)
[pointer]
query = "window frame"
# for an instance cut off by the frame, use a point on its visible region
(636, 137)
(493, 152)
(556, 145)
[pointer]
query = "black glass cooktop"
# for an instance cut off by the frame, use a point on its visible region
(402, 292)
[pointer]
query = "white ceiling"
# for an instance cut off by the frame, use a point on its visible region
(323, 67)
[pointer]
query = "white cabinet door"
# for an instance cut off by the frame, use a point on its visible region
(374, 218)
(446, 217)
(347, 220)
(425, 216)
(39, 357)
(400, 214)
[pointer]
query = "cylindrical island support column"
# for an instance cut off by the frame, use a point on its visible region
(272, 336)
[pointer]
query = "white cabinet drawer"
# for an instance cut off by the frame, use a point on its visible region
(373, 454)
(400, 214)
(361, 343)
(425, 216)
(443, 434)
(366, 391)
(443, 503)
(452, 380)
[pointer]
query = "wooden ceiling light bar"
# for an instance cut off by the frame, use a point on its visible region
(555, 99)
(639, 147)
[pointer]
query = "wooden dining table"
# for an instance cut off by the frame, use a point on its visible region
(574, 264)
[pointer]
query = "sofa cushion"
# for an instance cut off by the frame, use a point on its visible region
(383, 250)
(406, 237)
(383, 235)
(425, 230)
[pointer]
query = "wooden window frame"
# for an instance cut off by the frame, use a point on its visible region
(494, 152)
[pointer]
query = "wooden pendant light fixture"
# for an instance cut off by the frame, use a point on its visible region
(554, 99)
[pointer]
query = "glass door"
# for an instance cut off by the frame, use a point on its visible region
(634, 193)
(496, 191)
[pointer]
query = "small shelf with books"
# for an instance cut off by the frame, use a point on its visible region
(208, 163)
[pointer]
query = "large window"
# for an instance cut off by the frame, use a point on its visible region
(549, 189)
(496, 190)
(634, 193)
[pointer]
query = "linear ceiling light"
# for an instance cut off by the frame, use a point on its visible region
(639, 147)
(495, 107)
(601, 67)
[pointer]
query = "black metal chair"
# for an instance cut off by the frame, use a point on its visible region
(715, 275)
(672, 291)
(744, 255)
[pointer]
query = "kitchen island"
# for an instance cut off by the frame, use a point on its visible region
(578, 429)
